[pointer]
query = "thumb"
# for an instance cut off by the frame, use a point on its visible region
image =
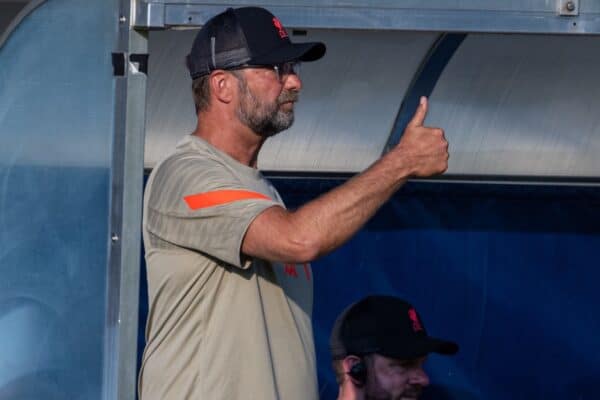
(419, 118)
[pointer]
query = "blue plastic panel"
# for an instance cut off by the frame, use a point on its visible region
(509, 272)
(56, 127)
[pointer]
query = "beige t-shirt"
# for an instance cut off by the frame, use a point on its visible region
(220, 325)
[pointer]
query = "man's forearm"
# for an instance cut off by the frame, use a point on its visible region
(328, 221)
(331, 219)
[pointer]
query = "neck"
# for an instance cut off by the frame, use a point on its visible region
(231, 137)
(348, 391)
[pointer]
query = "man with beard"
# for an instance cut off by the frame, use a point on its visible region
(229, 279)
(378, 347)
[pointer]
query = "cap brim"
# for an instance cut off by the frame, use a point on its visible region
(310, 51)
(443, 347)
(421, 348)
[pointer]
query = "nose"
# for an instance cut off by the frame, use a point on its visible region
(292, 82)
(420, 377)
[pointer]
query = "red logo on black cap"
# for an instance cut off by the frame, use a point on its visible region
(280, 29)
(416, 324)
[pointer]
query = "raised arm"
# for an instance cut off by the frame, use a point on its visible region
(325, 223)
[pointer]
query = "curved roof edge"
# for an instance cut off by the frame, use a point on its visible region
(25, 11)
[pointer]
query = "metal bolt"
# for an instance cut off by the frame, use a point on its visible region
(570, 6)
(114, 238)
(122, 19)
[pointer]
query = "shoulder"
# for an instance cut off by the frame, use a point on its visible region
(184, 165)
(187, 172)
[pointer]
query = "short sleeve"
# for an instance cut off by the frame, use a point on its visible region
(204, 205)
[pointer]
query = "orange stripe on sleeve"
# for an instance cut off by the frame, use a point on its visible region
(220, 197)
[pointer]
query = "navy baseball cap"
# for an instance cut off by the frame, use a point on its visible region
(385, 325)
(246, 36)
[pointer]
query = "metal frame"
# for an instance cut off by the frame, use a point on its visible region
(120, 372)
(510, 16)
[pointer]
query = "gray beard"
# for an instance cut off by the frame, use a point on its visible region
(266, 125)
(264, 119)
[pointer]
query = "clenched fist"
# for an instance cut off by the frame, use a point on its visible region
(423, 150)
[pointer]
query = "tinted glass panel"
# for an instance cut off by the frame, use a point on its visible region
(56, 127)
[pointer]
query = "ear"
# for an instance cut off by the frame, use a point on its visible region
(354, 368)
(349, 362)
(223, 86)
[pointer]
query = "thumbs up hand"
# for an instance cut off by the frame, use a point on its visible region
(424, 150)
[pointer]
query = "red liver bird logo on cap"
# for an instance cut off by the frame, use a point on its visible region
(280, 29)
(416, 324)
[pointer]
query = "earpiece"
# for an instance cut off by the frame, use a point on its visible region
(358, 373)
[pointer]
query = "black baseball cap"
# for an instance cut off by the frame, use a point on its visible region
(385, 325)
(246, 36)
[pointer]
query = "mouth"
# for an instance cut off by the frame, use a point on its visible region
(287, 104)
(288, 98)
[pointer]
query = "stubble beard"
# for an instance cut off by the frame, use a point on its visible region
(380, 394)
(265, 119)
(375, 391)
